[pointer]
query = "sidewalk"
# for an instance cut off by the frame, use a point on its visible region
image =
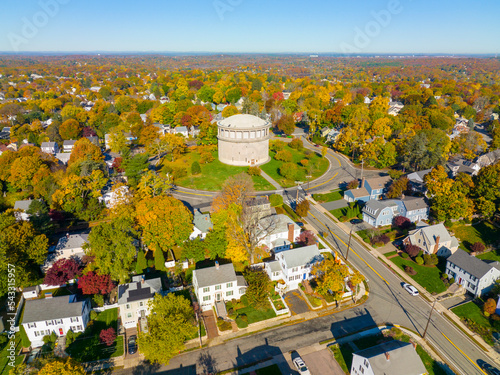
(270, 180)
(396, 270)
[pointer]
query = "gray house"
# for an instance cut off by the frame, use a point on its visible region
(380, 213)
(475, 275)
(432, 239)
(22, 206)
(202, 224)
(49, 147)
(370, 189)
(417, 181)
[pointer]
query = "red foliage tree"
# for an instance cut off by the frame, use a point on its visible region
(93, 283)
(401, 222)
(306, 238)
(62, 271)
(117, 165)
(412, 250)
(89, 132)
(107, 336)
(477, 247)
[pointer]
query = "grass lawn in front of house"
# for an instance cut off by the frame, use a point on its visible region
(253, 315)
(493, 255)
(484, 232)
(427, 277)
(334, 195)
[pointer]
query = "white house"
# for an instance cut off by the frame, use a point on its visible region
(475, 275)
(182, 130)
(393, 357)
(115, 196)
(432, 239)
(162, 128)
(58, 314)
(216, 284)
(201, 225)
(294, 265)
(63, 157)
(67, 247)
(49, 147)
(395, 108)
(277, 228)
(68, 145)
(22, 207)
(133, 299)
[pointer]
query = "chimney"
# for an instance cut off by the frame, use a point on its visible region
(387, 355)
(436, 246)
(67, 235)
(142, 279)
(362, 182)
(402, 197)
(216, 264)
(290, 232)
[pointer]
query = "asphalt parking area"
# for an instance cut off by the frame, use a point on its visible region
(322, 363)
(296, 303)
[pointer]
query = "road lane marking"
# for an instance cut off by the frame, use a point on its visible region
(187, 192)
(351, 249)
(466, 356)
(314, 187)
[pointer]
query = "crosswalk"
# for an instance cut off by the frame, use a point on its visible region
(291, 202)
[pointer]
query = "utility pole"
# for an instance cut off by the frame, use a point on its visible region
(362, 162)
(349, 244)
(429, 320)
(297, 197)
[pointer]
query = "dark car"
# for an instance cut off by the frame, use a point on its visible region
(489, 368)
(132, 344)
(356, 221)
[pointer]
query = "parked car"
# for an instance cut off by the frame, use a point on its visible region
(356, 221)
(299, 364)
(410, 289)
(34, 354)
(489, 368)
(132, 344)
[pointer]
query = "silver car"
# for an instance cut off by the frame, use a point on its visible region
(410, 289)
(301, 366)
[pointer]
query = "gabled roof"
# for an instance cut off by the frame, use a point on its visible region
(38, 310)
(470, 264)
(418, 176)
(277, 224)
(202, 221)
(72, 241)
(358, 193)
(48, 144)
(139, 289)
(214, 276)
(393, 358)
(23, 205)
(374, 208)
(414, 203)
(378, 182)
(70, 142)
(301, 256)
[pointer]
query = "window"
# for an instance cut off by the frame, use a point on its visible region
(127, 306)
(229, 285)
(206, 289)
(129, 315)
(206, 298)
(80, 328)
(141, 303)
(31, 325)
(73, 320)
(229, 293)
(217, 287)
(48, 322)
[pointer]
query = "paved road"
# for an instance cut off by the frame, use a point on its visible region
(390, 303)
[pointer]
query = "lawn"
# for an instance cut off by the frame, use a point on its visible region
(87, 346)
(338, 354)
(476, 321)
(483, 232)
(490, 255)
(272, 167)
(252, 315)
(213, 174)
(4, 361)
(427, 277)
(335, 195)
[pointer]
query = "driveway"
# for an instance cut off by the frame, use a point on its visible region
(296, 303)
(210, 324)
(322, 363)
(130, 332)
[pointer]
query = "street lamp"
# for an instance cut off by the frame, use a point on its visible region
(348, 244)
(308, 180)
(297, 198)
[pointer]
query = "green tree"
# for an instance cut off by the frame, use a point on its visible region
(276, 200)
(426, 149)
(194, 250)
(258, 288)
(135, 167)
(170, 324)
(195, 168)
(112, 246)
(159, 261)
(216, 243)
(39, 216)
(141, 264)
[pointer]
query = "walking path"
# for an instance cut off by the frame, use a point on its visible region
(270, 180)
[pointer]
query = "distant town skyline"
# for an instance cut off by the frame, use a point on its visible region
(257, 26)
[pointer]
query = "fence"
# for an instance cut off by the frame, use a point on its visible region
(105, 307)
(286, 310)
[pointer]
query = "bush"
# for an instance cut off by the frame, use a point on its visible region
(478, 247)
(107, 336)
(431, 259)
(452, 280)
(70, 337)
(489, 306)
(412, 250)
(254, 171)
(409, 270)
(206, 157)
(296, 144)
(277, 145)
(448, 223)
(404, 255)
(98, 300)
(195, 168)
(419, 261)
(401, 222)
(353, 184)
(304, 162)
(383, 239)
(276, 200)
(93, 315)
(420, 253)
(243, 317)
(343, 219)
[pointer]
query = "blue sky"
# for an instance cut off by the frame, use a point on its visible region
(362, 26)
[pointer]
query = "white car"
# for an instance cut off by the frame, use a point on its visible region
(301, 366)
(410, 289)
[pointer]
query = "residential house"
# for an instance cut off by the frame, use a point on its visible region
(461, 127)
(133, 299)
(488, 159)
(432, 239)
(113, 197)
(475, 275)
(94, 140)
(367, 100)
(201, 225)
(22, 206)
(456, 166)
(260, 206)
(286, 94)
(194, 131)
(380, 213)
(182, 130)
(49, 148)
(67, 247)
(332, 136)
(57, 314)
(216, 284)
(417, 181)
(370, 189)
(390, 358)
(129, 138)
(68, 145)
(294, 265)
(278, 232)
(324, 131)
(6, 129)
(162, 128)
(63, 157)
(395, 108)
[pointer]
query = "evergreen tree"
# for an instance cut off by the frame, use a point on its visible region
(159, 260)
(141, 262)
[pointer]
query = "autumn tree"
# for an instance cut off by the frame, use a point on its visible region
(94, 283)
(112, 245)
(234, 190)
(62, 271)
(302, 209)
(70, 129)
(401, 222)
(165, 222)
(85, 150)
(398, 188)
(107, 336)
(62, 367)
(153, 184)
(306, 238)
(330, 276)
(412, 250)
(286, 124)
(490, 306)
(170, 323)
